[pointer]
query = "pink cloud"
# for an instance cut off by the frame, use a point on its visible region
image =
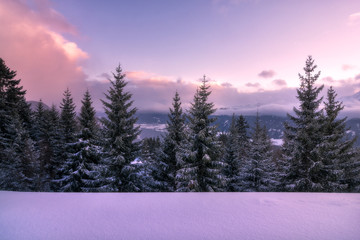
(346, 67)
(32, 44)
(253, 85)
(328, 80)
(150, 91)
(150, 95)
(354, 19)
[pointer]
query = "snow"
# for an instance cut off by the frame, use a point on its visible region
(179, 216)
(156, 126)
(277, 142)
(353, 134)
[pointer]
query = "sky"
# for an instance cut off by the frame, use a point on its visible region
(251, 51)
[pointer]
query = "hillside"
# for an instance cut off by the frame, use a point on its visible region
(153, 124)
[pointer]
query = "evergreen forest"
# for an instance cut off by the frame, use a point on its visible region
(57, 149)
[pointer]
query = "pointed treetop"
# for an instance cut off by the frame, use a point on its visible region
(118, 75)
(5, 72)
(309, 77)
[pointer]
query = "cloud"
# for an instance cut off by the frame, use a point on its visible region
(32, 44)
(328, 80)
(347, 67)
(150, 94)
(253, 85)
(267, 74)
(279, 82)
(226, 84)
(354, 19)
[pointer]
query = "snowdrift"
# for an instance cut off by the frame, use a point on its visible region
(53, 216)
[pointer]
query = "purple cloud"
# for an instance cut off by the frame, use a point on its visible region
(254, 85)
(226, 84)
(328, 79)
(279, 82)
(267, 74)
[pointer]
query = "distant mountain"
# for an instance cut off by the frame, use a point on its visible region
(355, 96)
(354, 129)
(153, 124)
(274, 124)
(352, 105)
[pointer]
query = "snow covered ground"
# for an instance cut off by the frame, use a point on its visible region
(53, 216)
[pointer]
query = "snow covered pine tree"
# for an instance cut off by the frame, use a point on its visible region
(259, 171)
(120, 135)
(335, 150)
(174, 145)
(18, 159)
(202, 168)
(303, 134)
(65, 181)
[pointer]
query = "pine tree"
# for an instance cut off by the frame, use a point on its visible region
(150, 168)
(120, 135)
(202, 168)
(351, 175)
(173, 146)
(42, 145)
(259, 170)
(68, 127)
(17, 159)
(68, 118)
(231, 158)
(335, 151)
(303, 134)
(56, 143)
(83, 168)
(242, 137)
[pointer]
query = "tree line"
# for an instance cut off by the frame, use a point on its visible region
(62, 151)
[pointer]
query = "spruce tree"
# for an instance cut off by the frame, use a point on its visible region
(231, 158)
(151, 169)
(68, 127)
(303, 133)
(242, 137)
(41, 125)
(17, 156)
(351, 175)
(83, 168)
(56, 147)
(173, 147)
(335, 150)
(259, 173)
(202, 167)
(68, 118)
(120, 136)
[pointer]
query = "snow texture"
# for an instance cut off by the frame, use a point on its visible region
(37, 216)
(277, 142)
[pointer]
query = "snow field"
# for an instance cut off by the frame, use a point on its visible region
(55, 216)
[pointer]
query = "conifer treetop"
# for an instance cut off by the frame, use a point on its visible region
(87, 111)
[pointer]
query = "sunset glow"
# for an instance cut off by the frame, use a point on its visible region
(247, 49)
